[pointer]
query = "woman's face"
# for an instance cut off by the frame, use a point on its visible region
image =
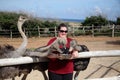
(62, 32)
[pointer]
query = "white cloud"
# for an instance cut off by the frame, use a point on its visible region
(98, 11)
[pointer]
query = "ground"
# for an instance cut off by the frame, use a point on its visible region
(98, 67)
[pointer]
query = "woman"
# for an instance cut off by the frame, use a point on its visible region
(61, 69)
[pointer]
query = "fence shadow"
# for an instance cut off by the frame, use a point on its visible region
(117, 42)
(106, 72)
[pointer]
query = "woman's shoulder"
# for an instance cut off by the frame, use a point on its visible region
(69, 39)
(52, 39)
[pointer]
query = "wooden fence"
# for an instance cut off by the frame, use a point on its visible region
(111, 30)
(40, 32)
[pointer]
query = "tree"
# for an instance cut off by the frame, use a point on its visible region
(118, 21)
(95, 20)
(8, 20)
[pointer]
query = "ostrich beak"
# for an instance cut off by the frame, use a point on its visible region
(70, 49)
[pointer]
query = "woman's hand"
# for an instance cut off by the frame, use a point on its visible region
(74, 54)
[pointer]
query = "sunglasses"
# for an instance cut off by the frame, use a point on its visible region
(63, 31)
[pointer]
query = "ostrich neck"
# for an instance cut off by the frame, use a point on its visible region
(22, 47)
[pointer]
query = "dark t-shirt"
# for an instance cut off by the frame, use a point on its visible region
(60, 66)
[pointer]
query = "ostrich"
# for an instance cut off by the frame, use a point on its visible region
(22, 47)
(46, 50)
(7, 51)
(74, 46)
(20, 51)
(80, 64)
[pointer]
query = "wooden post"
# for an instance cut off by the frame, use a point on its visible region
(73, 31)
(92, 30)
(113, 30)
(11, 34)
(83, 30)
(39, 31)
(55, 30)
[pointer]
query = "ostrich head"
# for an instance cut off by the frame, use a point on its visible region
(22, 19)
(74, 46)
(61, 41)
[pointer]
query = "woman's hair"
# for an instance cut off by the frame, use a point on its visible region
(62, 25)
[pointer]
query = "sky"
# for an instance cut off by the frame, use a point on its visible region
(64, 9)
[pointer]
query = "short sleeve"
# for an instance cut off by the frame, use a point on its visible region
(51, 41)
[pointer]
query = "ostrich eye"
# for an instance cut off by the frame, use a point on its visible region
(23, 18)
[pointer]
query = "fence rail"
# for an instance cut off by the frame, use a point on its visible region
(25, 60)
(111, 30)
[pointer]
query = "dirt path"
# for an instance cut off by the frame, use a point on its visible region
(98, 67)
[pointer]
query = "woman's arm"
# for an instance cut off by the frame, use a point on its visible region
(53, 55)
